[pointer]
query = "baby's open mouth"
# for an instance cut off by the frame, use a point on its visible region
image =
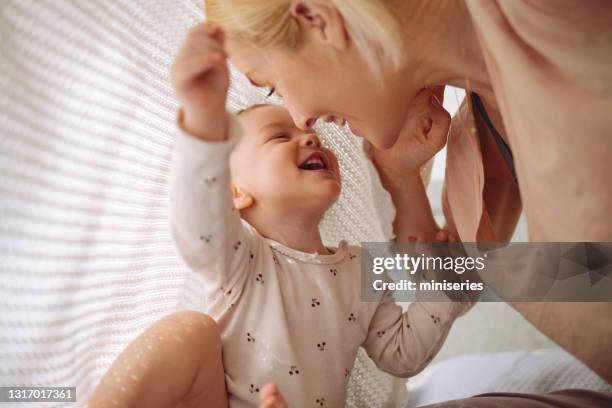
(316, 161)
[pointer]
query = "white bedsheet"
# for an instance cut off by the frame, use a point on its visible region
(516, 371)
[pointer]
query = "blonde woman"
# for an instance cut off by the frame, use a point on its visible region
(534, 133)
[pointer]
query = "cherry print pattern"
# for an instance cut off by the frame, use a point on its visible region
(321, 346)
(435, 319)
(352, 318)
(237, 245)
(321, 401)
(315, 302)
(250, 338)
(293, 370)
(333, 271)
(380, 333)
(206, 238)
(352, 256)
(210, 181)
(259, 278)
(253, 389)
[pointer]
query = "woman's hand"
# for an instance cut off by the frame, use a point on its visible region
(424, 134)
(200, 79)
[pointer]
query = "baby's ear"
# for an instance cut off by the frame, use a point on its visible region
(242, 199)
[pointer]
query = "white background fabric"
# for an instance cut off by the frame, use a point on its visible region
(87, 126)
(86, 130)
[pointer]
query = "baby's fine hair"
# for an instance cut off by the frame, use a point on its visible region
(252, 107)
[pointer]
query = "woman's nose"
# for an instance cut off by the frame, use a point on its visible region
(302, 122)
(310, 140)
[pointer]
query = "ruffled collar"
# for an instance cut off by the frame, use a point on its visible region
(338, 254)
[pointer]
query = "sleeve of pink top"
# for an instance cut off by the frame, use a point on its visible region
(206, 229)
(402, 344)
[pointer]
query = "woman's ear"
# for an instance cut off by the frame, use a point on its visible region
(242, 199)
(323, 18)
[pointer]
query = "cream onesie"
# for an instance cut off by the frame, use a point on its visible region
(288, 317)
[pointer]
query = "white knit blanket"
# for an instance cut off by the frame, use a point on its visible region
(86, 131)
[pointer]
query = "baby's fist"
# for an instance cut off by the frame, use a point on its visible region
(200, 79)
(424, 134)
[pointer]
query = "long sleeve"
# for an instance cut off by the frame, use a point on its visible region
(402, 344)
(207, 231)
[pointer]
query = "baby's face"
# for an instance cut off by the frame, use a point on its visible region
(281, 166)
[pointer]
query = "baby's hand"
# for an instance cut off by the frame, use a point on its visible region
(270, 397)
(442, 237)
(424, 134)
(200, 79)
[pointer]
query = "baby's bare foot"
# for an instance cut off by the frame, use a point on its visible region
(270, 397)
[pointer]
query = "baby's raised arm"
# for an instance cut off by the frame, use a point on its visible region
(206, 229)
(404, 343)
(424, 134)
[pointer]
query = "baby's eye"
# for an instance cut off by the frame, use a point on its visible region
(280, 136)
(270, 93)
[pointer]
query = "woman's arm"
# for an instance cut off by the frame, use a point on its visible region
(583, 329)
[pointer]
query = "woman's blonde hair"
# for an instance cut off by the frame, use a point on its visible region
(269, 23)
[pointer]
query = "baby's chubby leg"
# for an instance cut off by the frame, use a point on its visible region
(175, 363)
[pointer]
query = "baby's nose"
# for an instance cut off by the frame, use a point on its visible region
(310, 140)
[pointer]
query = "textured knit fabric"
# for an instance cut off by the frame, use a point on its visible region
(288, 317)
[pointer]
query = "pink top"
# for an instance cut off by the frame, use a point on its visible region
(550, 65)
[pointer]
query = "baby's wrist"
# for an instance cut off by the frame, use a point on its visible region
(212, 128)
(398, 175)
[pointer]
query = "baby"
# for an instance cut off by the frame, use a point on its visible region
(247, 195)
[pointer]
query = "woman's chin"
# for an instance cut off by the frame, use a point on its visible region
(379, 140)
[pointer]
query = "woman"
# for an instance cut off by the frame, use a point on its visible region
(534, 132)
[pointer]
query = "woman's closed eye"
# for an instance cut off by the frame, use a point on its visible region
(271, 92)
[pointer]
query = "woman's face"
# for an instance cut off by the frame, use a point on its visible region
(319, 80)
